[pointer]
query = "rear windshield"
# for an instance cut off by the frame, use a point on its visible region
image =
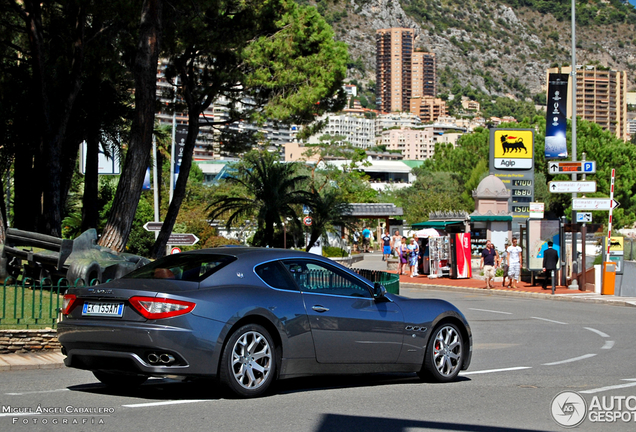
(185, 267)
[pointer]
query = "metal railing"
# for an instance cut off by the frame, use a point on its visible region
(29, 303)
(391, 281)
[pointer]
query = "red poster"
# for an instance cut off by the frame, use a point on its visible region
(463, 256)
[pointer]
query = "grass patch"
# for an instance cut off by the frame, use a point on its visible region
(28, 307)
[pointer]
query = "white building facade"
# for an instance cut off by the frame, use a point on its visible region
(356, 130)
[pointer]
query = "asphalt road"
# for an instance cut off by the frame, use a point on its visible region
(526, 352)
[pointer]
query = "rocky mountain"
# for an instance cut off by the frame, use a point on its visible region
(501, 47)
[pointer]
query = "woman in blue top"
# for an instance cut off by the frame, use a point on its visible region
(414, 251)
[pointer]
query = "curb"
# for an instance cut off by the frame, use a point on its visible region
(44, 360)
(494, 291)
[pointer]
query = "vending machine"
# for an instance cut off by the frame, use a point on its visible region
(439, 251)
(461, 254)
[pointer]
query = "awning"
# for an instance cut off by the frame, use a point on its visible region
(436, 224)
(490, 218)
(427, 232)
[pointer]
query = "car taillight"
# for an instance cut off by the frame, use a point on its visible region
(158, 308)
(69, 302)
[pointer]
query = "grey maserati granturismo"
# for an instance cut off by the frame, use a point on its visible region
(249, 316)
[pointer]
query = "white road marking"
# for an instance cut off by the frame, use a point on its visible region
(620, 386)
(496, 370)
(491, 311)
(608, 345)
(177, 402)
(37, 392)
(598, 332)
(583, 357)
(549, 320)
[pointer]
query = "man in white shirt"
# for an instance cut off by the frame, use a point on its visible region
(515, 258)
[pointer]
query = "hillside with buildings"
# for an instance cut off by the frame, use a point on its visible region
(496, 46)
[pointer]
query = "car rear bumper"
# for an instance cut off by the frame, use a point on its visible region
(142, 348)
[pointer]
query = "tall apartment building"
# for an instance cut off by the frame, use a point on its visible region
(601, 97)
(394, 50)
(428, 108)
(423, 74)
(403, 74)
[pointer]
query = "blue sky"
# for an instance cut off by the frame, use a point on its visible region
(633, 2)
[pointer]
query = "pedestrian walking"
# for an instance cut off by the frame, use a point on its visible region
(404, 256)
(515, 257)
(550, 263)
(366, 239)
(413, 253)
(356, 239)
(489, 262)
(396, 241)
(503, 263)
(386, 241)
(419, 255)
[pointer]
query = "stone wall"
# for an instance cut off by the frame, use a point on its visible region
(22, 341)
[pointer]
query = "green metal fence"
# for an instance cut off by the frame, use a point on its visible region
(28, 303)
(391, 281)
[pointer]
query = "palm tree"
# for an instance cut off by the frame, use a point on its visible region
(270, 189)
(328, 211)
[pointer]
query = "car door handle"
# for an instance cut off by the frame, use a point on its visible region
(319, 308)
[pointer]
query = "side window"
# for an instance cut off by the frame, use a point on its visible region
(274, 275)
(316, 277)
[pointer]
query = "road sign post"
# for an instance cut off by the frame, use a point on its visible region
(601, 204)
(153, 226)
(572, 167)
(572, 186)
(179, 239)
(609, 225)
(584, 217)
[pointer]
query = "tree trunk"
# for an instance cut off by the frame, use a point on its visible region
(27, 190)
(128, 192)
(91, 179)
(53, 119)
(159, 248)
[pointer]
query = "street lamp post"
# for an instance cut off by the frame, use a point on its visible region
(574, 284)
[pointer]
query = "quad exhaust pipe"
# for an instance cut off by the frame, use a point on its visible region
(161, 358)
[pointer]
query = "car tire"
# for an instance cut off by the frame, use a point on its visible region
(444, 354)
(248, 362)
(120, 380)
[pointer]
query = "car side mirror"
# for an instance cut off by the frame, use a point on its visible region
(379, 291)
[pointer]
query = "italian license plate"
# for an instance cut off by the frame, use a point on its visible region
(103, 309)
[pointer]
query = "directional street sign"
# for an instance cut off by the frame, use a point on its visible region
(569, 167)
(179, 239)
(153, 226)
(571, 186)
(594, 204)
(583, 217)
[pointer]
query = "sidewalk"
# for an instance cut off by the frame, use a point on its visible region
(373, 261)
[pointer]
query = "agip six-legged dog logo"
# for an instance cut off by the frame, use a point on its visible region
(512, 144)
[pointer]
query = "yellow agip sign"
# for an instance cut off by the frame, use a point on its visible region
(513, 149)
(616, 244)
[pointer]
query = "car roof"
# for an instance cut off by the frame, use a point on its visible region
(263, 254)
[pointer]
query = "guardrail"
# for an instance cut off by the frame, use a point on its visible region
(391, 281)
(29, 303)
